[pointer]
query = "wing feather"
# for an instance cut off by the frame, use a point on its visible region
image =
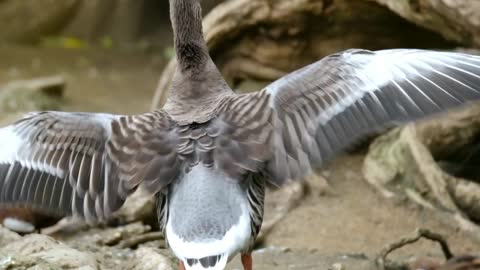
(317, 111)
(84, 164)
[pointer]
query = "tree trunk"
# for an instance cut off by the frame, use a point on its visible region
(263, 40)
(29, 20)
(119, 20)
(456, 20)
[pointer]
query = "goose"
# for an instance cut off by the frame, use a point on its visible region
(208, 154)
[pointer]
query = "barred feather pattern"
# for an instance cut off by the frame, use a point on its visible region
(307, 117)
(84, 164)
(256, 199)
(244, 130)
(222, 143)
(162, 210)
(145, 149)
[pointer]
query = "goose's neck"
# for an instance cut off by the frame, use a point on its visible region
(190, 46)
(197, 85)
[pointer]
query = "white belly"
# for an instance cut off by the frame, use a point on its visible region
(235, 240)
(208, 216)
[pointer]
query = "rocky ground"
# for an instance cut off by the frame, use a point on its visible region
(343, 227)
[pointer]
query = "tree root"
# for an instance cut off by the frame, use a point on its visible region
(315, 184)
(65, 226)
(294, 193)
(136, 240)
(419, 234)
(409, 163)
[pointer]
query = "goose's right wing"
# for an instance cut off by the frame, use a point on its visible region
(321, 109)
(84, 164)
(307, 117)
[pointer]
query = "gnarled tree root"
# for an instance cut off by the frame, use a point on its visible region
(419, 234)
(427, 163)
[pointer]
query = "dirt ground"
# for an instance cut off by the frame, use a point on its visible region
(352, 219)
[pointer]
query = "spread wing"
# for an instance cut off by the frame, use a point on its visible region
(312, 114)
(83, 164)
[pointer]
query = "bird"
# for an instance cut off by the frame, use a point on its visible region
(208, 154)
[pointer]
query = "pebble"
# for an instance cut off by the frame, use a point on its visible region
(337, 266)
(18, 225)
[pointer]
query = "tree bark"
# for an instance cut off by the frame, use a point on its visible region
(29, 20)
(430, 164)
(456, 20)
(263, 40)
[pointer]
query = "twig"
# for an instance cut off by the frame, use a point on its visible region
(163, 84)
(295, 193)
(419, 233)
(140, 239)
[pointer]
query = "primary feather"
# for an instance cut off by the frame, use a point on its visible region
(311, 115)
(80, 163)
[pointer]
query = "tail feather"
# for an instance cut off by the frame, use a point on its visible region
(217, 262)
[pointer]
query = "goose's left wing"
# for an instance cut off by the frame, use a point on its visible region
(308, 116)
(85, 164)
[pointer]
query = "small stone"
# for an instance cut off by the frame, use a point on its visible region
(337, 266)
(18, 225)
(147, 258)
(7, 236)
(35, 249)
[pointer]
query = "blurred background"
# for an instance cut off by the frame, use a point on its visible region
(105, 47)
(108, 52)
(116, 56)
